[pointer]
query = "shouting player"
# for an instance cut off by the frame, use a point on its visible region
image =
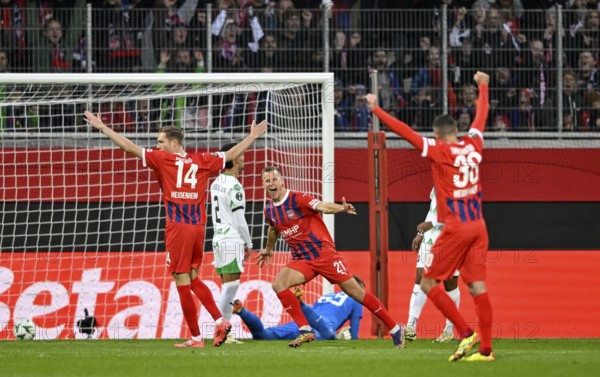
(183, 178)
(463, 242)
(328, 314)
(297, 217)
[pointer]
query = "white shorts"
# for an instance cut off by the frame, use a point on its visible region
(429, 239)
(229, 255)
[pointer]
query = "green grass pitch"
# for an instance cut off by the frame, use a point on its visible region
(531, 358)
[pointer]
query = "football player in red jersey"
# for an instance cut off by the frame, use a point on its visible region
(463, 242)
(297, 217)
(183, 178)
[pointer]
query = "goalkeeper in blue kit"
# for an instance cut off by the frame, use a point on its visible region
(326, 316)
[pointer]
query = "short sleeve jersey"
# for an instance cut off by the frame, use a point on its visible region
(183, 179)
(227, 196)
(456, 175)
(300, 225)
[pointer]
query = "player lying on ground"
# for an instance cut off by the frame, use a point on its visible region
(297, 217)
(464, 242)
(183, 178)
(327, 315)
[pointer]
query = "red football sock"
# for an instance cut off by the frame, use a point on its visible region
(376, 307)
(292, 306)
(483, 307)
(206, 298)
(448, 308)
(188, 306)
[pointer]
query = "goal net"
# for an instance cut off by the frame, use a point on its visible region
(82, 221)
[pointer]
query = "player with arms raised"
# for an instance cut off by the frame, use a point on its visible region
(463, 242)
(183, 178)
(297, 217)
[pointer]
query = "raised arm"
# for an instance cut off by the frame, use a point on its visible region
(483, 102)
(394, 124)
(255, 133)
(123, 142)
(333, 208)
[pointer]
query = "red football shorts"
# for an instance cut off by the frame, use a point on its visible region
(332, 266)
(461, 246)
(184, 245)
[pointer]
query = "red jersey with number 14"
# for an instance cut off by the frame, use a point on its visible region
(183, 179)
(301, 225)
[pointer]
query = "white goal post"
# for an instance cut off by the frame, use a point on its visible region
(74, 204)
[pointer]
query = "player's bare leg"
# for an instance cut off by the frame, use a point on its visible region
(354, 290)
(286, 279)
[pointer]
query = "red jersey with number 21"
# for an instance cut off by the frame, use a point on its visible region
(183, 180)
(301, 225)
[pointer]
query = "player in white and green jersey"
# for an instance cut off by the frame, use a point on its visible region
(231, 240)
(427, 233)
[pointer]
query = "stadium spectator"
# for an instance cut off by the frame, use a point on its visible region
(268, 55)
(588, 76)
(4, 62)
(459, 209)
(313, 253)
(573, 103)
(493, 44)
(357, 60)
(503, 98)
(13, 34)
(116, 45)
(391, 93)
(361, 115)
(425, 107)
(341, 104)
(229, 57)
(52, 56)
(190, 113)
(430, 76)
(327, 315)
(184, 201)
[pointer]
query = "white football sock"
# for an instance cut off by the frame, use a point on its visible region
(455, 296)
(228, 291)
(417, 302)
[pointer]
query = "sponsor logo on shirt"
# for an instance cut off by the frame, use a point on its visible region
(290, 231)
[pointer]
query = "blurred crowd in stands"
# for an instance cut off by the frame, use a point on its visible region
(518, 42)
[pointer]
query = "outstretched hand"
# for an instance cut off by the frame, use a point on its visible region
(258, 130)
(94, 120)
(264, 258)
(348, 208)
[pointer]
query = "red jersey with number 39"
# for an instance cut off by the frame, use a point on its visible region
(301, 225)
(183, 179)
(456, 176)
